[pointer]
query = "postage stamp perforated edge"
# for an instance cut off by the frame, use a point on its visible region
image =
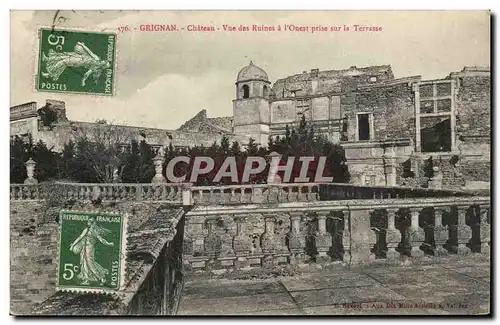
(123, 254)
(37, 57)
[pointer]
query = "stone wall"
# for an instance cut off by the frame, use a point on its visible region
(474, 105)
(33, 256)
(391, 105)
(323, 82)
(34, 241)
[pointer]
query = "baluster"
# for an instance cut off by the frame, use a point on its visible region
(164, 193)
(241, 243)
(81, 192)
(243, 195)
(268, 243)
(125, 191)
(440, 233)
(296, 241)
(393, 235)
(12, 195)
(138, 193)
(70, 192)
(88, 192)
(178, 192)
(462, 232)
(416, 234)
(346, 239)
(169, 192)
(484, 229)
(96, 193)
(233, 197)
(322, 239)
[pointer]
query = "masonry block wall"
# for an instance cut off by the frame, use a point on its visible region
(34, 247)
(33, 256)
(474, 106)
(392, 108)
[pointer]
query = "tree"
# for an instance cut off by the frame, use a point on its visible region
(102, 151)
(47, 160)
(138, 166)
(224, 145)
(18, 156)
(235, 148)
(252, 147)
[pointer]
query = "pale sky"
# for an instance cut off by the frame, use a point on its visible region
(163, 79)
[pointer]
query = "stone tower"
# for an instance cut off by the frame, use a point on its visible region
(251, 106)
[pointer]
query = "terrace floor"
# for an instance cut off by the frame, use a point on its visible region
(451, 286)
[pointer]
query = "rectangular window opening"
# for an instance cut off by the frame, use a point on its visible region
(363, 127)
(436, 137)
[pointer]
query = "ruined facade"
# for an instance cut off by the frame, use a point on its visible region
(26, 119)
(405, 131)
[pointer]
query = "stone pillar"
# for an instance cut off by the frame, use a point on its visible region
(389, 166)
(361, 236)
(393, 236)
(212, 240)
(296, 241)
(416, 90)
(440, 233)
(158, 178)
(272, 176)
(453, 117)
(416, 234)
(462, 231)
(241, 243)
(187, 199)
(346, 239)
(30, 171)
(268, 242)
(484, 229)
(322, 239)
(373, 236)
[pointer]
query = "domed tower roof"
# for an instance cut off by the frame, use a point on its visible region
(252, 72)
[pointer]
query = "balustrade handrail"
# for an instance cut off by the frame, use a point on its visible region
(340, 205)
(149, 191)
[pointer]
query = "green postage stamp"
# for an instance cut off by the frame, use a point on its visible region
(92, 250)
(76, 62)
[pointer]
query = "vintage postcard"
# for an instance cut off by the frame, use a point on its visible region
(250, 163)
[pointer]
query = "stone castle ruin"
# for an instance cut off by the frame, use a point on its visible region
(406, 131)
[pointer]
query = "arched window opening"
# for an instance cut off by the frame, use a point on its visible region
(246, 91)
(265, 91)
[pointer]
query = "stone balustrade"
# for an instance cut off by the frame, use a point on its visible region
(340, 191)
(255, 193)
(208, 195)
(106, 192)
(349, 231)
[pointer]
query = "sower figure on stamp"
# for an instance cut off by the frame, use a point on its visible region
(84, 245)
(81, 56)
